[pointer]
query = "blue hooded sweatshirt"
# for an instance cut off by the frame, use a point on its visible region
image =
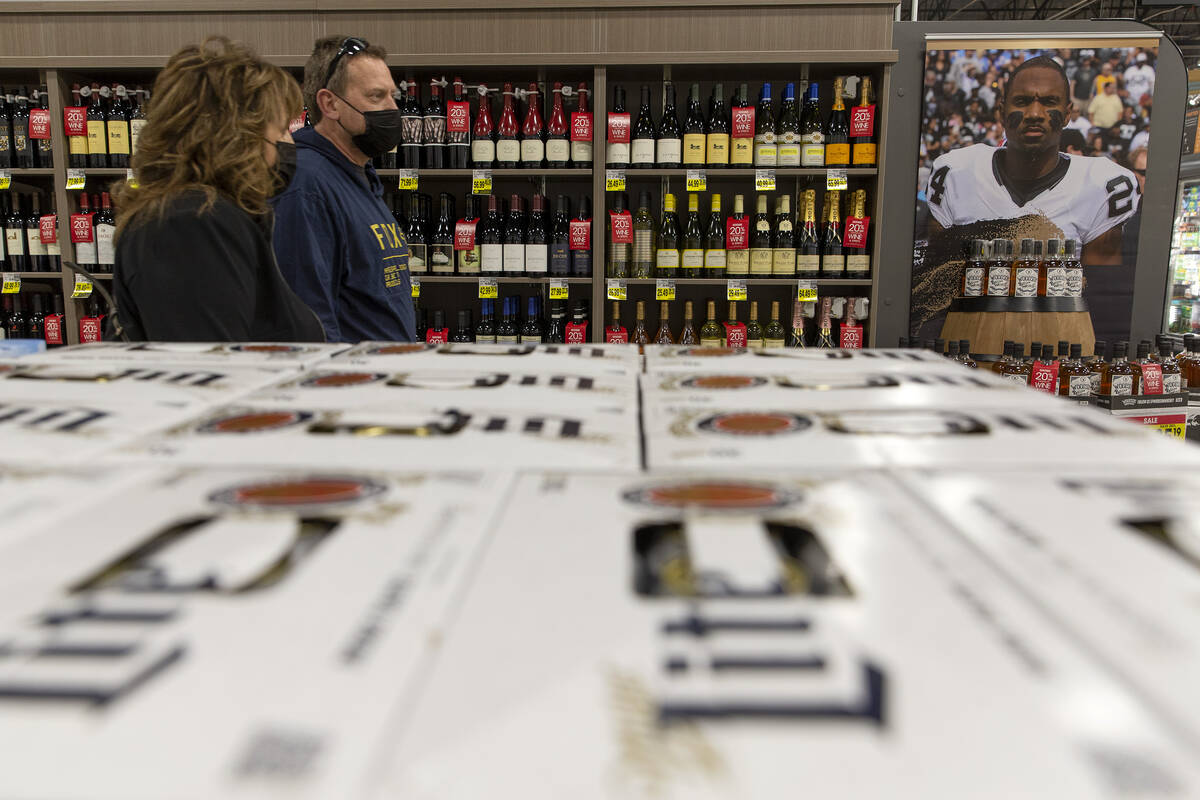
(339, 246)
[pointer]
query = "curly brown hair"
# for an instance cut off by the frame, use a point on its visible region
(207, 118)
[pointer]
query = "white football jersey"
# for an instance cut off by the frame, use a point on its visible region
(1086, 199)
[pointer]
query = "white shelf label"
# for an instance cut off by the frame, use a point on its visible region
(664, 289)
(488, 289)
(835, 180)
(697, 180)
(616, 289)
(764, 180)
(735, 290)
(408, 180)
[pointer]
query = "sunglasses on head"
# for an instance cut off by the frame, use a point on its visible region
(351, 46)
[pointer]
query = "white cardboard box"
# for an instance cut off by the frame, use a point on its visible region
(191, 353)
(933, 678)
(228, 634)
(591, 359)
(673, 358)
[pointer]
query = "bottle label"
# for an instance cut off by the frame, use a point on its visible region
(836, 154)
(1095, 379)
(39, 123)
(666, 258)
(998, 281)
(14, 240)
(784, 261)
(491, 258)
(754, 344)
(89, 330)
(851, 337)
(617, 153)
(560, 258)
(643, 246)
(1152, 379)
(118, 137)
(1075, 282)
(714, 259)
(536, 258)
(863, 154)
(670, 151)
(973, 283)
(858, 262)
(711, 342)
(581, 234)
(581, 152)
(514, 258)
(469, 261)
(1056, 282)
(693, 148)
(1079, 386)
(81, 228)
(435, 130)
(737, 234)
(643, 151)
(737, 262)
(618, 129)
(506, 340)
(48, 229)
(771, 344)
(483, 151)
(33, 241)
(766, 154)
(558, 150)
(833, 263)
(581, 126)
(1044, 377)
(1172, 383)
(621, 225)
(692, 259)
(441, 259)
(808, 263)
(742, 152)
(718, 148)
(411, 128)
(576, 332)
(20, 141)
(616, 336)
(533, 150)
(484, 339)
(464, 234)
(96, 135)
(855, 232)
(1017, 378)
(1027, 281)
(735, 334)
(75, 121)
(527, 339)
(1122, 385)
(434, 336)
(762, 261)
(458, 117)
(862, 120)
(508, 150)
(135, 133)
(417, 261)
(52, 329)
(812, 155)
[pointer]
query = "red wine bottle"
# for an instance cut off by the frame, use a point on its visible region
(483, 148)
(458, 128)
(581, 132)
(558, 149)
(412, 129)
(434, 138)
(97, 134)
(105, 227)
(508, 147)
(533, 148)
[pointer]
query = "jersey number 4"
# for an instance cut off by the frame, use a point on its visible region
(937, 186)
(1120, 195)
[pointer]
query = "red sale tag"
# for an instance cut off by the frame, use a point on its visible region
(298, 122)
(576, 333)
(743, 123)
(622, 227)
(464, 234)
(855, 234)
(852, 337)
(81, 228)
(581, 126)
(458, 117)
(581, 234)
(89, 329)
(434, 336)
(737, 234)
(619, 336)
(48, 229)
(75, 120)
(1152, 382)
(39, 123)
(735, 334)
(862, 120)
(618, 128)
(1044, 376)
(52, 328)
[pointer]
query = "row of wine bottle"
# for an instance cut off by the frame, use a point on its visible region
(508, 326)
(30, 238)
(25, 129)
(104, 124)
(24, 317)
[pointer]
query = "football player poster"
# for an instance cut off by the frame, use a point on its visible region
(1032, 143)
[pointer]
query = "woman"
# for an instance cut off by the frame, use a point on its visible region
(194, 260)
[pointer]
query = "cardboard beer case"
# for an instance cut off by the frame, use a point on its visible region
(298, 354)
(793, 360)
(676, 638)
(589, 359)
(229, 633)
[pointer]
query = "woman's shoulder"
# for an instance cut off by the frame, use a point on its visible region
(191, 211)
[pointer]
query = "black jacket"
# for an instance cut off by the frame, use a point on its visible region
(206, 277)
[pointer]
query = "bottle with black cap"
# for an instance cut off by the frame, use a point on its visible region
(1074, 376)
(1120, 379)
(560, 237)
(531, 331)
(939, 346)
(1172, 374)
(952, 350)
(485, 331)
(1016, 368)
(556, 327)
(462, 331)
(964, 354)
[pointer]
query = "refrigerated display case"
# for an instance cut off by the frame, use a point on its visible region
(1182, 313)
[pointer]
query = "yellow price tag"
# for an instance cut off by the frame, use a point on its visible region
(664, 290)
(5, 179)
(416, 287)
(614, 180)
(616, 290)
(559, 290)
(806, 291)
(12, 283)
(132, 181)
(1175, 429)
(76, 179)
(697, 180)
(481, 181)
(735, 290)
(83, 288)
(408, 180)
(835, 180)
(488, 290)
(764, 180)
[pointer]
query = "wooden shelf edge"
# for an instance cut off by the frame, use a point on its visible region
(431, 279)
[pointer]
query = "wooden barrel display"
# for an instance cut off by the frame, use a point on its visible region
(989, 321)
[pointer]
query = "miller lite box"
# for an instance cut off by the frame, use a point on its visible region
(301, 354)
(35, 496)
(1112, 556)
(589, 359)
(761, 639)
(231, 633)
(794, 360)
(281, 434)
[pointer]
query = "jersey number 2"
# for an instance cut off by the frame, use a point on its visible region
(937, 184)
(1120, 191)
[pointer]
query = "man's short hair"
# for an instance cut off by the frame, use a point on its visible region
(317, 66)
(1042, 62)
(1071, 137)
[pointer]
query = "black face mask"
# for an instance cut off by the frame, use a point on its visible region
(285, 165)
(382, 134)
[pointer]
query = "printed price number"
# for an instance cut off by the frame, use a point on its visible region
(735, 290)
(83, 288)
(5, 179)
(697, 180)
(806, 291)
(664, 290)
(416, 287)
(559, 290)
(76, 179)
(764, 180)
(408, 180)
(616, 290)
(835, 180)
(481, 181)
(12, 283)
(1174, 429)
(488, 289)
(614, 180)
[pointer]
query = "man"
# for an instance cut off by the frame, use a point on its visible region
(1105, 108)
(1105, 78)
(336, 241)
(1078, 122)
(1139, 79)
(1085, 79)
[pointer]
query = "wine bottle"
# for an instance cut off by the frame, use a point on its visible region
(577, 327)
(6, 133)
(137, 119)
(14, 236)
(531, 331)
(796, 335)
(862, 127)
(508, 147)
(666, 256)
(808, 249)
(39, 255)
(711, 334)
(735, 332)
(467, 247)
(462, 331)
(766, 151)
(664, 325)
(716, 132)
(14, 324)
(741, 142)
(458, 129)
(483, 147)
(418, 258)
(833, 258)
(714, 243)
(491, 240)
(556, 328)
(858, 259)
(105, 226)
(693, 131)
(441, 243)
(36, 328)
(533, 148)
(434, 138)
(97, 134)
(754, 331)
(116, 123)
(53, 250)
(825, 328)
(581, 131)
(762, 256)
(837, 130)
(774, 336)
(692, 257)
(643, 239)
(560, 237)
(783, 263)
(514, 239)
(615, 333)
(737, 240)
(812, 134)
(617, 154)
(640, 336)
(620, 238)
(536, 242)
(687, 335)
(669, 147)
(581, 239)
(85, 252)
(22, 145)
(788, 130)
(485, 331)
(642, 152)
(558, 147)
(506, 331)
(77, 145)
(412, 129)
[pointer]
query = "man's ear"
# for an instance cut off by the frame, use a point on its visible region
(327, 102)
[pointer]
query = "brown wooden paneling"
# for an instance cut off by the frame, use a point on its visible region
(157, 6)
